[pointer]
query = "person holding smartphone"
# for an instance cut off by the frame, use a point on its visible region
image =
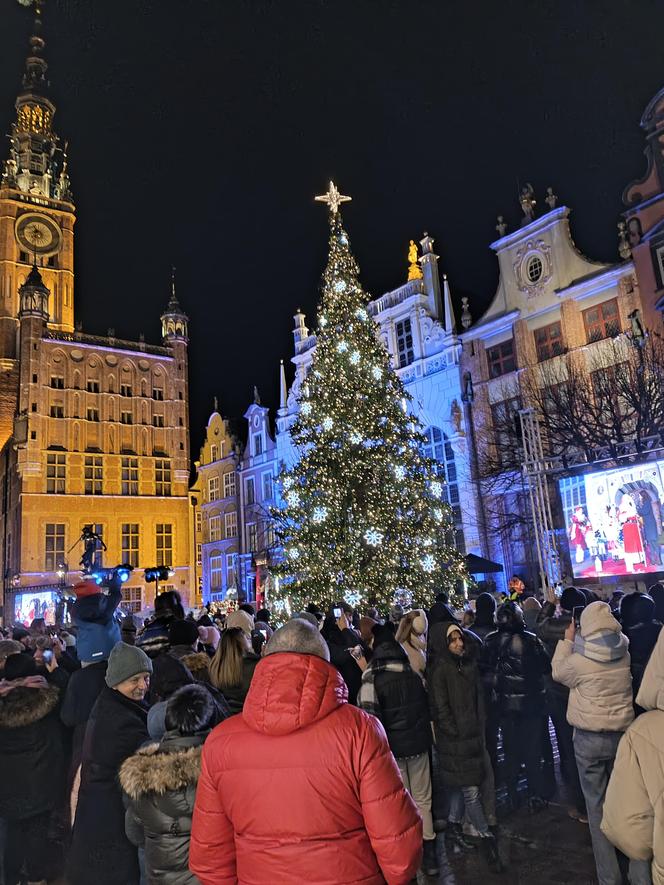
(348, 653)
(593, 662)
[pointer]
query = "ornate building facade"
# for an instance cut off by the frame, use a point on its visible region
(94, 429)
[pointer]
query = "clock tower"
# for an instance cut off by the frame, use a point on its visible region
(36, 208)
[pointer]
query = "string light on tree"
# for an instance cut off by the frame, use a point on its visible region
(363, 456)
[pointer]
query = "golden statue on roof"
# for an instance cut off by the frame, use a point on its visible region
(414, 269)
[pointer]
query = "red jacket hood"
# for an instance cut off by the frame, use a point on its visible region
(290, 691)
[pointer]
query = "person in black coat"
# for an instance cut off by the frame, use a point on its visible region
(457, 712)
(517, 667)
(83, 689)
(159, 783)
(640, 626)
(167, 609)
(485, 616)
(550, 627)
(393, 692)
(100, 852)
(32, 768)
(341, 639)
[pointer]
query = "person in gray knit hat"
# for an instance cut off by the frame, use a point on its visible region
(129, 671)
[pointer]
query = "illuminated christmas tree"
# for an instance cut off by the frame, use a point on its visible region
(364, 516)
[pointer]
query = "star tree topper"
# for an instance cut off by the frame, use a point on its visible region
(333, 198)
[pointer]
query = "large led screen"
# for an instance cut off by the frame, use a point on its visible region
(28, 606)
(614, 520)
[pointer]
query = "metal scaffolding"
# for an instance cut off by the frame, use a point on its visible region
(535, 469)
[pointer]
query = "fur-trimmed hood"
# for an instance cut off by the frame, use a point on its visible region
(152, 770)
(197, 663)
(23, 705)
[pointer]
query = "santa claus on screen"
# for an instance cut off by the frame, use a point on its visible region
(580, 533)
(632, 537)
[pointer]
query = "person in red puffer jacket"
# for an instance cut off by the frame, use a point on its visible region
(302, 786)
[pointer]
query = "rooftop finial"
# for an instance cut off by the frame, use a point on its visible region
(333, 198)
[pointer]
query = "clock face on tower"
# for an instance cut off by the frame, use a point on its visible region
(38, 234)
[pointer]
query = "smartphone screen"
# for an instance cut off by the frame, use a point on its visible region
(47, 655)
(337, 613)
(263, 633)
(576, 613)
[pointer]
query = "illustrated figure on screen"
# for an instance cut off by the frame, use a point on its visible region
(580, 533)
(632, 538)
(649, 528)
(611, 529)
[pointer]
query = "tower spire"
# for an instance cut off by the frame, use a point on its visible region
(174, 321)
(283, 390)
(450, 322)
(32, 166)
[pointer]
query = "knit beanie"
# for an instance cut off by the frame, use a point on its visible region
(124, 662)
(183, 633)
(242, 620)
(571, 599)
(19, 666)
(597, 618)
(453, 628)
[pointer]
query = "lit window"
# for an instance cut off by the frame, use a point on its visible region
(548, 341)
(404, 335)
(130, 476)
(501, 358)
(215, 572)
(213, 488)
(54, 546)
(56, 471)
(229, 484)
(164, 544)
(94, 474)
(162, 477)
(602, 321)
(215, 528)
(230, 525)
(130, 543)
(132, 599)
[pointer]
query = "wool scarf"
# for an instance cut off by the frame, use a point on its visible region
(367, 699)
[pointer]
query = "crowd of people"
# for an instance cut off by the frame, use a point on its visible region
(332, 748)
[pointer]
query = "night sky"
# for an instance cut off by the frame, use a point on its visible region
(200, 132)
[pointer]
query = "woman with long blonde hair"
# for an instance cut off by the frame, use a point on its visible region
(412, 634)
(232, 667)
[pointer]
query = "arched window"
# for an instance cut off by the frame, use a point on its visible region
(439, 449)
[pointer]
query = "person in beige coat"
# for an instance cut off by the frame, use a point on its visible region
(634, 806)
(412, 634)
(595, 665)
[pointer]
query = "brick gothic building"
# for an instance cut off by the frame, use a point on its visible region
(94, 430)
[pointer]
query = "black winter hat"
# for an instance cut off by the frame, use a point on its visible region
(183, 633)
(485, 610)
(635, 608)
(19, 632)
(19, 666)
(572, 598)
(190, 710)
(168, 675)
